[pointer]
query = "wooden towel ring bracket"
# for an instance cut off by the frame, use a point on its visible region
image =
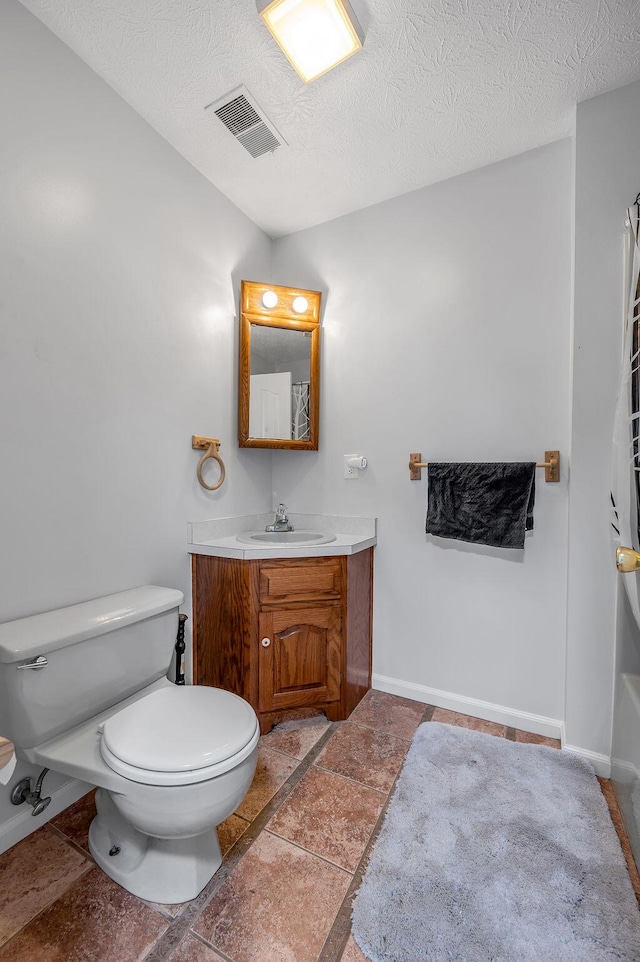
(211, 446)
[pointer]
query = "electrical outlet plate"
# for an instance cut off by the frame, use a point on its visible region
(348, 471)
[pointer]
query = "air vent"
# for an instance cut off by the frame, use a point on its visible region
(241, 115)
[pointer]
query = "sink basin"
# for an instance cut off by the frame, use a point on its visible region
(278, 538)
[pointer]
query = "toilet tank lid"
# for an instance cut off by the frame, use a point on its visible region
(38, 634)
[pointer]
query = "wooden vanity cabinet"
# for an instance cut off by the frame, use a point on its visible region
(285, 634)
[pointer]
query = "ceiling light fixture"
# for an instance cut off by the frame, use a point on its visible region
(314, 35)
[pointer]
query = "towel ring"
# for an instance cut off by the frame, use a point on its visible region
(211, 447)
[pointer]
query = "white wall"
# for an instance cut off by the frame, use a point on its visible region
(119, 265)
(607, 181)
(447, 331)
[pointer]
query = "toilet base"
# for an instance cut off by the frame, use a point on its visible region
(166, 870)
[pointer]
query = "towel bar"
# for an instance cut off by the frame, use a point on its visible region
(551, 465)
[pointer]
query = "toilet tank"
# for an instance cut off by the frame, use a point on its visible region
(97, 653)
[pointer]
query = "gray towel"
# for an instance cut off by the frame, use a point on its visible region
(485, 503)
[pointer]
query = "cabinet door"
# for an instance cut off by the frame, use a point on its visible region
(300, 657)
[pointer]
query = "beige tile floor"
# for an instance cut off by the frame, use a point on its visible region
(294, 855)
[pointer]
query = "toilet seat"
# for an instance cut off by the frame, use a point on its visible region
(179, 735)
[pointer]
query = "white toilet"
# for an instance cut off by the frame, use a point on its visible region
(83, 691)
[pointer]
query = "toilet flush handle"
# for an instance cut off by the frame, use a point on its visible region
(39, 662)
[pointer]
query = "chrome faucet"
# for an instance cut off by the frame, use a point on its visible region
(281, 522)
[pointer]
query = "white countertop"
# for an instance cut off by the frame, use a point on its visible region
(217, 536)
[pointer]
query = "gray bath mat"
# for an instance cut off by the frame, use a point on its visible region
(493, 851)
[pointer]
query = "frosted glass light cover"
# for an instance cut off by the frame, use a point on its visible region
(300, 304)
(269, 299)
(314, 35)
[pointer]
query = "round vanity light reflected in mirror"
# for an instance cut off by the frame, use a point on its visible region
(300, 304)
(269, 299)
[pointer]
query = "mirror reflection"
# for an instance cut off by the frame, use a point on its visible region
(279, 383)
(279, 367)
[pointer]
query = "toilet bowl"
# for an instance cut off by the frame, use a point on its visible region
(170, 762)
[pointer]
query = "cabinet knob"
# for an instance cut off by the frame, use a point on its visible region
(266, 642)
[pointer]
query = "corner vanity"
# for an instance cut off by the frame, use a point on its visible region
(287, 626)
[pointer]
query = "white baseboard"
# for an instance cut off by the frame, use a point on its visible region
(525, 721)
(512, 717)
(24, 823)
(626, 771)
(601, 764)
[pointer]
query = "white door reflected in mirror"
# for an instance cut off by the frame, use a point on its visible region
(270, 405)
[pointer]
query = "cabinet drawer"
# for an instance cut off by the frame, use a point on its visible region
(300, 581)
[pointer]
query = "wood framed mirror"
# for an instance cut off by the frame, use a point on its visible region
(279, 370)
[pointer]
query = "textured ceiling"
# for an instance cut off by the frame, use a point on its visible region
(441, 87)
